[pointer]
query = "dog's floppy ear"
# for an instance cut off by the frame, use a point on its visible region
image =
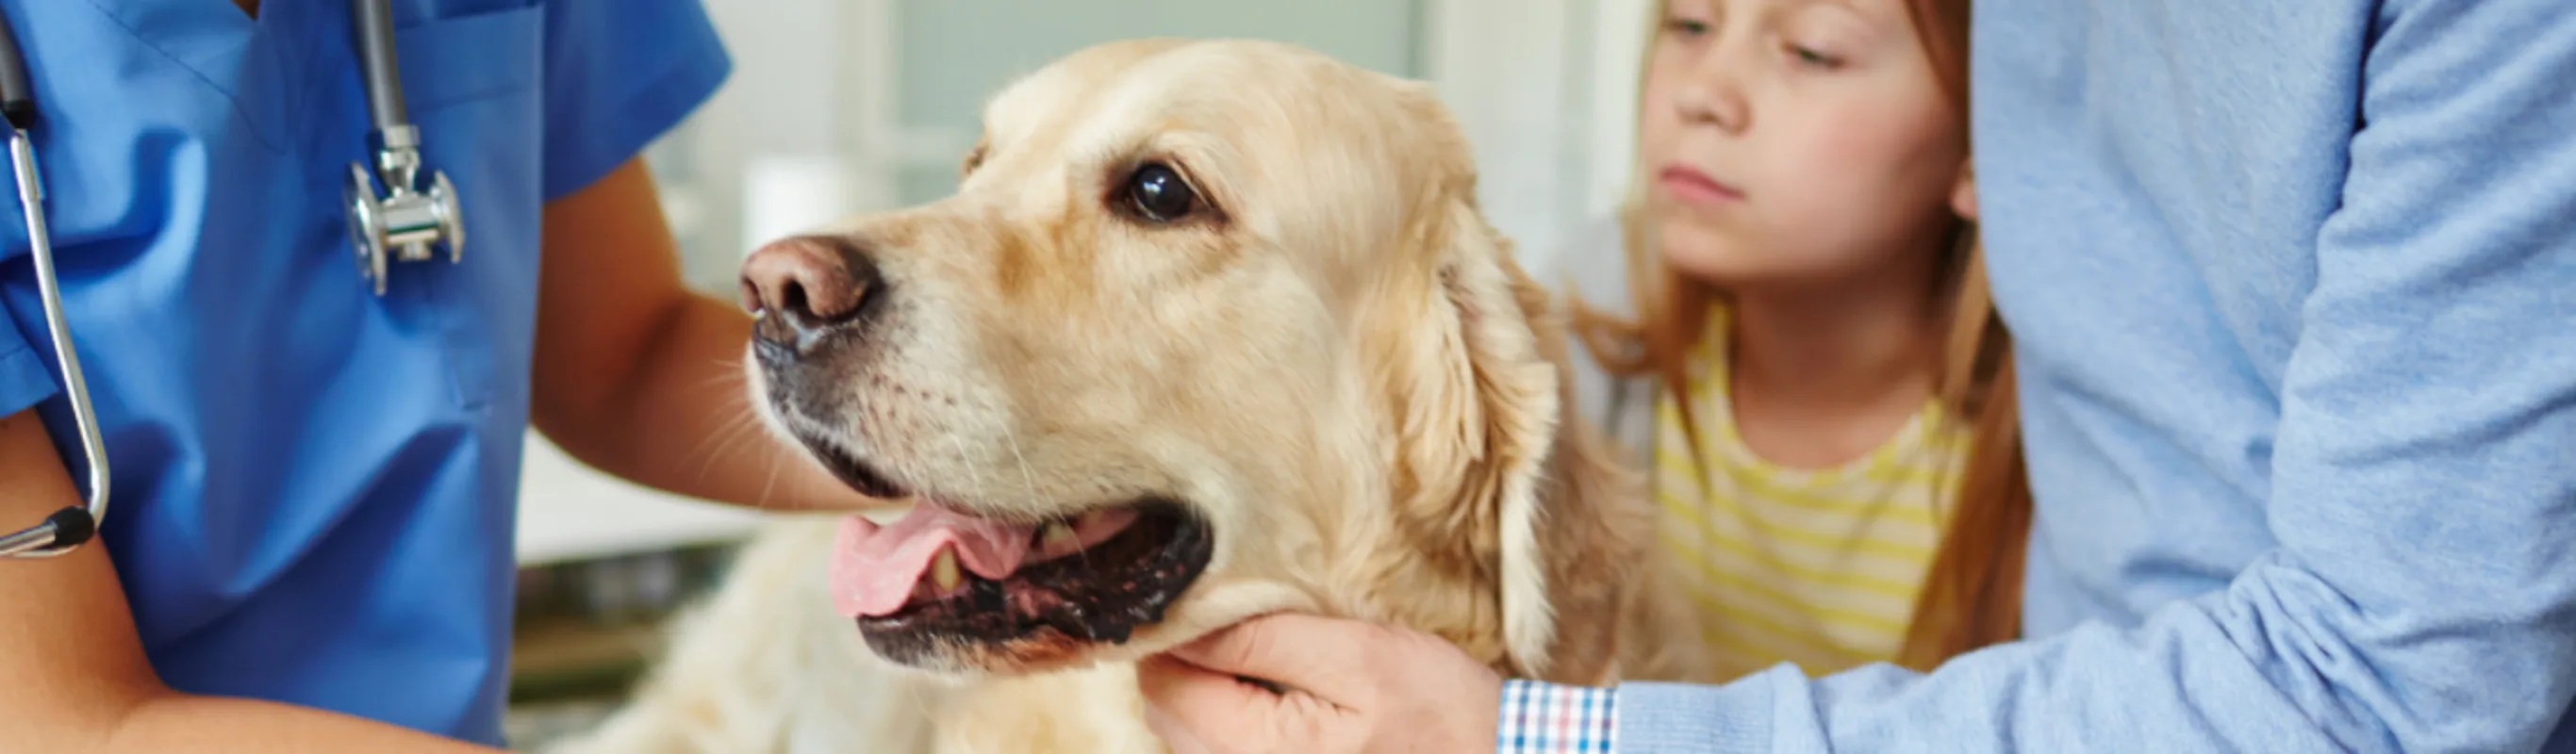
(1590, 524)
(1534, 507)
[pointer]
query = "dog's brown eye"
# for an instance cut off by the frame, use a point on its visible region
(1159, 194)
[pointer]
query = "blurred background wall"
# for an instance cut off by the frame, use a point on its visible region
(881, 96)
(838, 106)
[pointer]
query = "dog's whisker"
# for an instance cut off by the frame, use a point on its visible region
(957, 445)
(1028, 480)
(769, 487)
(724, 433)
(920, 701)
(718, 444)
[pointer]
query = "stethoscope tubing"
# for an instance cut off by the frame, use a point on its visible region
(371, 24)
(69, 528)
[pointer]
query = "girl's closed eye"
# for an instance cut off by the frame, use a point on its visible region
(1825, 38)
(1812, 56)
(1834, 36)
(1686, 27)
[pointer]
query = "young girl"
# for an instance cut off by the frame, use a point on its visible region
(1799, 341)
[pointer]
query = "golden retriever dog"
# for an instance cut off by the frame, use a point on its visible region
(1209, 329)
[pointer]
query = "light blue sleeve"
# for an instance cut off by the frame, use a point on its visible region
(2423, 479)
(619, 74)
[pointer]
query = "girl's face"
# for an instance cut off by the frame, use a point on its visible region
(1797, 141)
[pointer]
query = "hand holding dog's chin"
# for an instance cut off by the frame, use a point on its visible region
(1350, 686)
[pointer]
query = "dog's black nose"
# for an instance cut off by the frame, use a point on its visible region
(804, 285)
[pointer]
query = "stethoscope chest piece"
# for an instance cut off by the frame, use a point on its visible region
(412, 217)
(407, 222)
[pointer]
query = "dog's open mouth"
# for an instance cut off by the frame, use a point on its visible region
(940, 578)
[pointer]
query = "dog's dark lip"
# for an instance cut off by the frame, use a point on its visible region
(1100, 596)
(861, 477)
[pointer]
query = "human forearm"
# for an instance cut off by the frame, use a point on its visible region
(683, 422)
(170, 722)
(640, 377)
(2184, 682)
(77, 678)
(2263, 666)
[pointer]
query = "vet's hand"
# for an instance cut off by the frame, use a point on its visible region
(1343, 686)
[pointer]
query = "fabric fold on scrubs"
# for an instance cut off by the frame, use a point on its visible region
(314, 487)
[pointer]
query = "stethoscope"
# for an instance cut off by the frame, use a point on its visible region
(404, 225)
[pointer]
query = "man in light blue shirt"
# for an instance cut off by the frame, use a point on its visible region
(2293, 287)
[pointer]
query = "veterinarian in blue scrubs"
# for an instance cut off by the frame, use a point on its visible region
(313, 486)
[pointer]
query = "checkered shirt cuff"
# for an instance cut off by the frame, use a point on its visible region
(1546, 718)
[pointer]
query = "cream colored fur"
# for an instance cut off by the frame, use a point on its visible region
(1344, 372)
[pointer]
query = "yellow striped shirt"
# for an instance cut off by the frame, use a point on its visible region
(1817, 567)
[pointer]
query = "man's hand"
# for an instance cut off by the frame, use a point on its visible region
(1319, 685)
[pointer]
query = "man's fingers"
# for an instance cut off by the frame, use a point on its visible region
(1300, 652)
(1185, 704)
(1175, 736)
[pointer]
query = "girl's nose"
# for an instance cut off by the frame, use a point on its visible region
(1714, 93)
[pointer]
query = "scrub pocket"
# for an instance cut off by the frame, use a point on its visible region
(471, 83)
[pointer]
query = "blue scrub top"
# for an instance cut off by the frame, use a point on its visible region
(313, 486)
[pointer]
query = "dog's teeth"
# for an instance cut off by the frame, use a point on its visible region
(1055, 536)
(943, 571)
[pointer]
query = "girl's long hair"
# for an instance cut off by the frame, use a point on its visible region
(1971, 594)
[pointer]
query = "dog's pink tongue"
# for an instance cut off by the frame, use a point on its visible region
(874, 568)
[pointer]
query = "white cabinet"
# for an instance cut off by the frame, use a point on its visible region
(570, 512)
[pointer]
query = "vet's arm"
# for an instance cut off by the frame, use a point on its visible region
(641, 377)
(77, 680)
